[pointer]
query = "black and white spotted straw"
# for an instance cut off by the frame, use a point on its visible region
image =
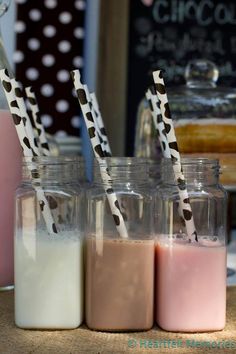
(26, 119)
(158, 122)
(27, 149)
(175, 156)
(43, 142)
(100, 122)
(99, 154)
(94, 116)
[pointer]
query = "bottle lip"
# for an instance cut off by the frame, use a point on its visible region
(195, 170)
(121, 161)
(120, 169)
(52, 160)
(192, 161)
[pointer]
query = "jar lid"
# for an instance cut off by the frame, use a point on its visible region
(201, 97)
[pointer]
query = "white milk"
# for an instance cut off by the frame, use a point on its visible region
(48, 280)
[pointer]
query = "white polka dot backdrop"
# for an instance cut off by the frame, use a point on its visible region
(49, 31)
(79, 32)
(80, 4)
(32, 73)
(48, 60)
(61, 133)
(18, 56)
(35, 15)
(76, 122)
(50, 4)
(74, 94)
(49, 44)
(47, 90)
(64, 46)
(20, 26)
(62, 106)
(65, 17)
(46, 120)
(78, 62)
(63, 76)
(33, 44)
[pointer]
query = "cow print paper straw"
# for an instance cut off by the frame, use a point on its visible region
(100, 122)
(26, 119)
(43, 143)
(27, 149)
(175, 156)
(93, 114)
(99, 154)
(158, 122)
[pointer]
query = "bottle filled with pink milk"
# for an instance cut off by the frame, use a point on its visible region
(191, 272)
(49, 245)
(120, 248)
(10, 175)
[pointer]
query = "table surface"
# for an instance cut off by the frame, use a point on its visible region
(14, 340)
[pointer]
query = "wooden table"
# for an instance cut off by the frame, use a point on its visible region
(17, 341)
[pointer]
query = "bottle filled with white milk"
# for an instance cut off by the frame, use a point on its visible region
(48, 250)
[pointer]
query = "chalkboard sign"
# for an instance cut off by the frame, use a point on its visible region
(166, 34)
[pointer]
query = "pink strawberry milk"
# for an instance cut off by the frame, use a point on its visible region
(10, 173)
(190, 285)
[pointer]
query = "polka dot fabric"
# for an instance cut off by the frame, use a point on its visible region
(50, 36)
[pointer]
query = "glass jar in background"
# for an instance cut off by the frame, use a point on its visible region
(191, 277)
(120, 271)
(146, 143)
(204, 116)
(10, 175)
(49, 268)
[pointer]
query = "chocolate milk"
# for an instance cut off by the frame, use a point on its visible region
(119, 284)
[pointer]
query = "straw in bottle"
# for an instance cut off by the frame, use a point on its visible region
(43, 143)
(100, 123)
(158, 122)
(175, 156)
(26, 119)
(99, 154)
(27, 149)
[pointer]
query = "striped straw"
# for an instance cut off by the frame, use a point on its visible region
(27, 149)
(175, 156)
(98, 152)
(100, 123)
(26, 119)
(158, 122)
(43, 143)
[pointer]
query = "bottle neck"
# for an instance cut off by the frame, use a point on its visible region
(196, 171)
(121, 170)
(51, 170)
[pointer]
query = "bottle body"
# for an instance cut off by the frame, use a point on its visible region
(191, 276)
(119, 270)
(48, 267)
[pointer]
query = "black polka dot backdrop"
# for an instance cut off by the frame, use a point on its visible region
(49, 44)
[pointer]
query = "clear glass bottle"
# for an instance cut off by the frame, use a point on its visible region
(10, 175)
(119, 270)
(191, 276)
(49, 267)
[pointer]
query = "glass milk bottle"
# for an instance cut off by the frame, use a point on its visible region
(191, 276)
(49, 267)
(119, 269)
(10, 174)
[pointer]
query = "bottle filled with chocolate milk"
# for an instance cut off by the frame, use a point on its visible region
(120, 248)
(191, 273)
